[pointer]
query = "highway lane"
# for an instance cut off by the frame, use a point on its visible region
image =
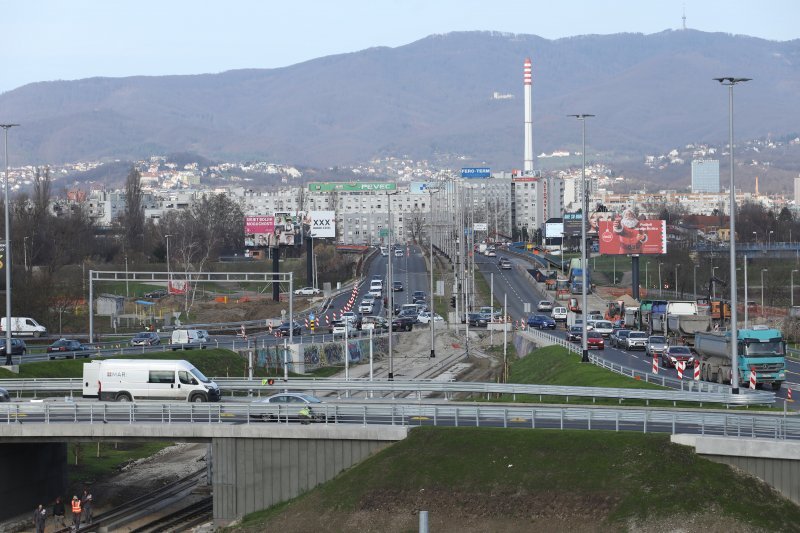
(511, 283)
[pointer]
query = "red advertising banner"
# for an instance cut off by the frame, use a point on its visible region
(261, 224)
(627, 234)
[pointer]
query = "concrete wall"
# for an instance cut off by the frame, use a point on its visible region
(31, 474)
(776, 462)
(253, 474)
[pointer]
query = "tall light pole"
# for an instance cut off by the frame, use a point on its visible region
(430, 238)
(694, 282)
(584, 217)
(25, 250)
(746, 300)
(762, 291)
(169, 271)
(7, 258)
(791, 278)
(660, 285)
(769, 239)
(676, 279)
(390, 284)
(127, 292)
(713, 282)
(730, 82)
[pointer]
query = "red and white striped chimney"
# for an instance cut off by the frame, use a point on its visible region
(528, 85)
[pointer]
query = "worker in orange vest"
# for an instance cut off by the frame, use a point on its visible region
(76, 513)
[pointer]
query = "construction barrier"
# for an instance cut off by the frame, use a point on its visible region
(697, 370)
(753, 377)
(655, 365)
(680, 366)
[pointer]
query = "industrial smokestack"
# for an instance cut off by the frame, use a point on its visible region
(527, 80)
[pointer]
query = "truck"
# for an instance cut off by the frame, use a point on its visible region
(759, 349)
(576, 277)
(679, 320)
(125, 380)
(21, 325)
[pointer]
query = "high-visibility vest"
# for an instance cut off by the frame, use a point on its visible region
(76, 506)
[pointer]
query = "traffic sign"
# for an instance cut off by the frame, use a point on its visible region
(351, 187)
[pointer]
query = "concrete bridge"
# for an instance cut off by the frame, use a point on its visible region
(254, 466)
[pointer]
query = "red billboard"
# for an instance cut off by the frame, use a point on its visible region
(627, 234)
(263, 224)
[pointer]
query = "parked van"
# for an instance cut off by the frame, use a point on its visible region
(21, 325)
(187, 339)
(125, 380)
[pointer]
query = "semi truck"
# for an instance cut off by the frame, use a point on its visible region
(762, 349)
(680, 320)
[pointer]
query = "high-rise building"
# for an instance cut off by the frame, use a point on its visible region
(797, 192)
(705, 175)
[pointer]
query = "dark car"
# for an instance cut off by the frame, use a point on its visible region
(283, 329)
(67, 348)
(619, 338)
(595, 340)
(145, 338)
(18, 346)
(575, 334)
(677, 354)
(4, 396)
(397, 286)
(478, 320)
(156, 294)
(418, 295)
(541, 322)
(403, 323)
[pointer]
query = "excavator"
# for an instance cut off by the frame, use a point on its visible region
(720, 310)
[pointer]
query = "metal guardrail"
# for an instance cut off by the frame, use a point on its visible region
(595, 358)
(448, 389)
(793, 353)
(369, 414)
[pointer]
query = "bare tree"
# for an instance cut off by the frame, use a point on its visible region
(133, 218)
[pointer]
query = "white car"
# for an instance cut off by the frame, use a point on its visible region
(340, 327)
(544, 306)
(603, 327)
(365, 306)
(559, 314)
(425, 317)
(307, 291)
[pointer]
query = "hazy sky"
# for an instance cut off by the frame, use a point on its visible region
(45, 40)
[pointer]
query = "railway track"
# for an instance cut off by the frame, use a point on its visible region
(141, 506)
(182, 519)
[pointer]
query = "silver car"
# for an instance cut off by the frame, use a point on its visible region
(656, 345)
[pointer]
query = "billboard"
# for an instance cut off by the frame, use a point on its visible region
(480, 226)
(419, 187)
(259, 230)
(351, 187)
(476, 172)
(287, 229)
(572, 224)
(553, 230)
(627, 234)
(322, 224)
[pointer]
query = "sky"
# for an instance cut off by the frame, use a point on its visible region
(45, 40)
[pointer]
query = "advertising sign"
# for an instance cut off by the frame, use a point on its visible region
(553, 230)
(625, 233)
(287, 230)
(480, 226)
(419, 187)
(322, 224)
(476, 172)
(351, 187)
(259, 230)
(572, 224)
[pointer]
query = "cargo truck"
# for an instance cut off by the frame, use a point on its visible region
(760, 349)
(679, 320)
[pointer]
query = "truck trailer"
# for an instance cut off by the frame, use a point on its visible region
(760, 349)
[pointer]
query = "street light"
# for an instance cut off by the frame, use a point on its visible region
(169, 272)
(25, 250)
(676, 279)
(730, 82)
(762, 290)
(660, 285)
(694, 281)
(769, 239)
(430, 238)
(7, 258)
(791, 278)
(714, 282)
(584, 216)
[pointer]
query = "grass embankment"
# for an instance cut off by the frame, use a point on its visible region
(214, 362)
(84, 466)
(486, 479)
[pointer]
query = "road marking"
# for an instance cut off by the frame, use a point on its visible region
(419, 418)
(227, 414)
(518, 419)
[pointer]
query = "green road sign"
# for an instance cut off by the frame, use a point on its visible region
(383, 232)
(351, 187)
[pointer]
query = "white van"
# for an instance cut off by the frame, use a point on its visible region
(186, 339)
(125, 380)
(376, 288)
(21, 325)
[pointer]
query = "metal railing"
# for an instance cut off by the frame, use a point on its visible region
(370, 414)
(447, 389)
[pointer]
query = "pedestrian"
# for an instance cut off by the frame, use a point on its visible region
(305, 415)
(76, 513)
(39, 517)
(86, 504)
(58, 513)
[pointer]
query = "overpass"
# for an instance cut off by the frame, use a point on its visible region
(254, 466)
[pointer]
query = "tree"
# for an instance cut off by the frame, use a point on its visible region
(132, 220)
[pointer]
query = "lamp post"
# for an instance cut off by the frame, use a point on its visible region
(694, 281)
(390, 284)
(762, 291)
(25, 250)
(791, 278)
(127, 292)
(769, 239)
(169, 271)
(660, 285)
(676, 279)
(584, 217)
(713, 282)
(730, 82)
(430, 238)
(7, 258)
(746, 300)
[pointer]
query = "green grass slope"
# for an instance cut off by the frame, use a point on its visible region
(485, 479)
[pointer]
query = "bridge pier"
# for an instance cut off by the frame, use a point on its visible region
(32, 473)
(776, 462)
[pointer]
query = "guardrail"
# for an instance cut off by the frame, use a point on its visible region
(448, 389)
(595, 358)
(368, 414)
